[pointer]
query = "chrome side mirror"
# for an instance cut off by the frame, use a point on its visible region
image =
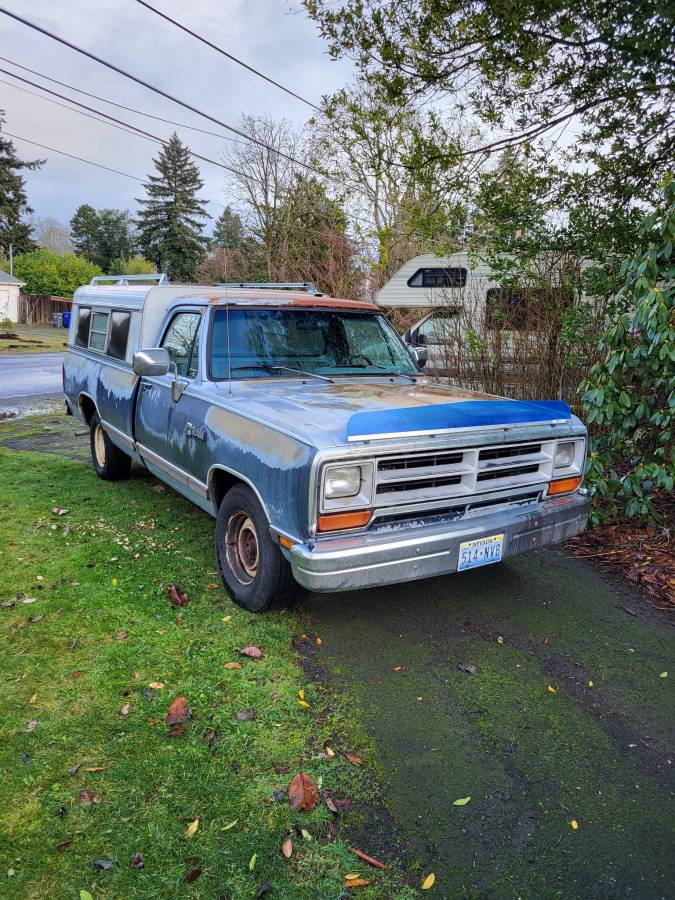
(420, 356)
(153, 361)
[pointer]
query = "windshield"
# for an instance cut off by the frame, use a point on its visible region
(323, 342)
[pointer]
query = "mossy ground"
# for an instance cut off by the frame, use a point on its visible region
(595, 750)
(105, 567)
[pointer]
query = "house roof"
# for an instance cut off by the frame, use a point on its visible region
(6, 278)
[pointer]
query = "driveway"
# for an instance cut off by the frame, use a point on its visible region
(535, 688)
(27, 376)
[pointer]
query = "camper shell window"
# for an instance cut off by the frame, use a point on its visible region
(119, 334)
(98, 332)
(438, 278)
(83, 321)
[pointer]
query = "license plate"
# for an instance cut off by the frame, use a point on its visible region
(480, 552)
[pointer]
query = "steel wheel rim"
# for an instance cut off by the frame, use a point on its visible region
(99, 445)
(242, 548)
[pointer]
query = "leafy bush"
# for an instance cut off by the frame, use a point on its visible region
(46, 272)
(137, 265)
(629, 398)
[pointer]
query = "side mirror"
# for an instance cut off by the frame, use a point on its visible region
(420, 356)
(153, 361)
(421, 339)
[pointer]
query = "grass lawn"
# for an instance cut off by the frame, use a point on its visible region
(90, 772)
(34, 340)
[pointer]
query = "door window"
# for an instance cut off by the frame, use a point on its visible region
(182, 342)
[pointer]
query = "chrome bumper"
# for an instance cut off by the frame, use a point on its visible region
(407, 554)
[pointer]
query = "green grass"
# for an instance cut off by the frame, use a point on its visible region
(34, 340)
(105, 567)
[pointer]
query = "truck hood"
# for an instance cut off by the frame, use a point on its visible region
(333, 414)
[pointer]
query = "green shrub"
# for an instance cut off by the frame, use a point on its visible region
(46, 272)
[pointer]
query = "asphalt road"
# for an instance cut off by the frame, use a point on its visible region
(28, 376)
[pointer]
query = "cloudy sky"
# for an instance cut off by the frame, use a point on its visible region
(274, 36)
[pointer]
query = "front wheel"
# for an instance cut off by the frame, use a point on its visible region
(254, 571)
(110, 463)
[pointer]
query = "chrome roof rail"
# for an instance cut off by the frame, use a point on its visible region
(272, 285)
(159, 277)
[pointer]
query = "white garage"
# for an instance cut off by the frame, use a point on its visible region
(10, 288)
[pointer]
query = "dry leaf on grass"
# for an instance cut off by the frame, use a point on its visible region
(176, 596)
(232, 665)
(178, 711)
(192, 875)
(121, 635)
(352, 757)
(303, 793)
(192, 828)
(251, 651)
(287, 848)
(126, 709)
(428, 881)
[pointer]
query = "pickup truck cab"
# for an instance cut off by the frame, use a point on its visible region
(304, 425)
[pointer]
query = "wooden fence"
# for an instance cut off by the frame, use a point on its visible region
(37, 309)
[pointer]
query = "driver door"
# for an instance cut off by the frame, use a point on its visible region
(160, 420)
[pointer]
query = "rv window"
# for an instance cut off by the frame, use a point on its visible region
(181, 340)
(119, 332)
(83, 319)
(439, 329)
(506, 312)
(98, 333)
(438, 278)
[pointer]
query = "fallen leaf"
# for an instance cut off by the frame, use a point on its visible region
(29, 600)
(192, 828)
(428, 881)
(227, 618)
(31, 725)
(78, 673)
(369, 859)
(306, 835)
(356, 882)
(113, 581)
(397, 669)
(176, 596)
(287, 848)
(33, 700)
(104, 863)
(663, 675)
(303, 793)
(551, 689)
(329, 750)
(467, 668)
(590, 684)
(304, 704)
(137, 861)
(352, 757)
(301, 694)
(63, 846)
(546, 641)
(73, 769)
(177, 731)
(252, 862)
(232, 665)
(574, 824)
(251, 652)
(461, 802)
(60, 512)
(121, 635)
(229, 825)
(178, 712)
(318, 640)
(96, 768)
(244, 715)
(126, 709)
(156, 685)
(330, 803)
(86, 798)
(85, 895)
(212, 586)
(500, 640)
(192, 875)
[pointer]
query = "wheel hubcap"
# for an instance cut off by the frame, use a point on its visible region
(242, 547)
(99, 446)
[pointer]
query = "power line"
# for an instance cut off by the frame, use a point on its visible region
(230, 56)
(130, 109)
(70, 155)
(153, 88)
(125, 126)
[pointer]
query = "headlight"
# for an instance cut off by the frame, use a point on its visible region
(344, 481)
(564, 455)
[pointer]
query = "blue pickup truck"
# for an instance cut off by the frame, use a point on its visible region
(304, 425)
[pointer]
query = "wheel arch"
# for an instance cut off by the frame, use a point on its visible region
(87, 406)
(219, 481)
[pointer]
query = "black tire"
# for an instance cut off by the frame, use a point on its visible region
(254, 571)
(110, 463)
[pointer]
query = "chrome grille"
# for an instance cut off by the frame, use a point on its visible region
(427, 479)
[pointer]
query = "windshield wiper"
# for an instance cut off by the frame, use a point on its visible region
(269, 368)
(386, 372)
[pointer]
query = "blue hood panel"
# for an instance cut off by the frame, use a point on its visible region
(448, 416)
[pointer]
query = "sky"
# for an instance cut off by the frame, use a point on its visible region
(274, 36)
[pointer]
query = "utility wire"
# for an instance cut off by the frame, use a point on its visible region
(70, 155)
(130, 109)
(220, 50)
(125, 126)
(154, 88)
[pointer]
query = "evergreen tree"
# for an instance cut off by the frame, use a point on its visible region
(14, 206)
(228, 232)
(171, 221)
(83, 230)
(102, 236)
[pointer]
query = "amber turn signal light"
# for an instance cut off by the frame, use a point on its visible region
(341, 521)
(564, 486)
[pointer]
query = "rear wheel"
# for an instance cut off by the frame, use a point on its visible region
(110, 463)
(254, 571)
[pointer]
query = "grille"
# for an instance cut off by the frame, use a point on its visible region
(425, 480)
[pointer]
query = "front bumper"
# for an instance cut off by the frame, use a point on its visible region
(407, 554)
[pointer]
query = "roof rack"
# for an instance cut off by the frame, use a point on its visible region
(274, 285)
(159, 277)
